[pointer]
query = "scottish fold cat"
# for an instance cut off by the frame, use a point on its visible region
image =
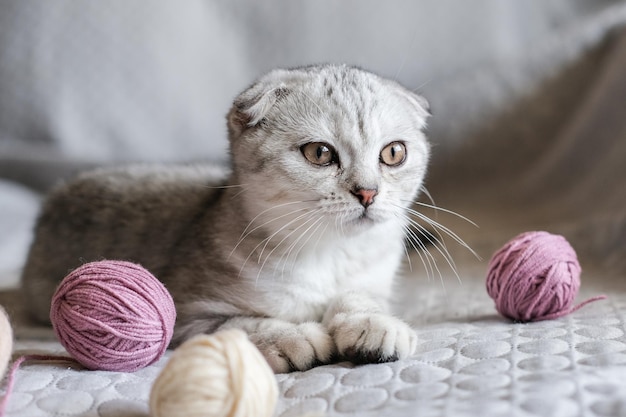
(297, 243)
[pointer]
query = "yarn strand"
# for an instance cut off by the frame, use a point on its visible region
(10, 382)
(575, 308)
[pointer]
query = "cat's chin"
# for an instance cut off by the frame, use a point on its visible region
(363, 222)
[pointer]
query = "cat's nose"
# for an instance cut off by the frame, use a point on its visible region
(365, 195)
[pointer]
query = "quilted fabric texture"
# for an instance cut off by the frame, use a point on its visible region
(528, 131)
(469, 362)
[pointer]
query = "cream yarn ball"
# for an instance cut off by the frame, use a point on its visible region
(217, 375)
(6, 341)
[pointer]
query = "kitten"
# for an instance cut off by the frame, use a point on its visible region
(298, 244)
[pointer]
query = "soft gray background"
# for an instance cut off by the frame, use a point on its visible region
(85, 83)
(132, 80)
(528, 132)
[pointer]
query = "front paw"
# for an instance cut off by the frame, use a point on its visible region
(372, 337)
(294, 347)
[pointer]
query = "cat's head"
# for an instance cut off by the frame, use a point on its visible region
(328, 144)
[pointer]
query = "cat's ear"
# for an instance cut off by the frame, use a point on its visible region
(421, 105)
(250, 107)
(418, 102)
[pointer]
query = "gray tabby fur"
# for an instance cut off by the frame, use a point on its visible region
(277, 246)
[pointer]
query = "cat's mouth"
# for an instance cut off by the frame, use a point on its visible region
(365, 217)
(359, 218)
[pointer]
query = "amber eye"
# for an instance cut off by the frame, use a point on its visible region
(319, 153)
(393, 154)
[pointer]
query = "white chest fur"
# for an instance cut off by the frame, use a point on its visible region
(300, 289)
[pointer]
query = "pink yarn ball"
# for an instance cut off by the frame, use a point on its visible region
(535, 276)
(113, 316)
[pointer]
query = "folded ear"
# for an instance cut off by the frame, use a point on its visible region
(418, 102)
(421, 105)
(251, 106)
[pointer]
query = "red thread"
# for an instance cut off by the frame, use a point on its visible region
(535, 276)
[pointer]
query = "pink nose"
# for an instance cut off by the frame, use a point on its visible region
(365, 195)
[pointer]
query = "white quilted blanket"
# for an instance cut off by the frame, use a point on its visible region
(469, 362)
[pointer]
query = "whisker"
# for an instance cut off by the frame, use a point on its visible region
(238, 193)
(428, 195)
(294, 244)
(267, 239)
(283, 227)
(433, 236)
(338, 224)
(427, 259)
(435, 239)
(247, 233)
(408, 258)
(439, 245)
(423, 232)
(419, 87)
(454, 213)
(414, 242)
(283, 240)
(267, 210)
(223, 187)
(312, 101)
(436, 208)
(434, 267)
(319, 237)
(444, 229)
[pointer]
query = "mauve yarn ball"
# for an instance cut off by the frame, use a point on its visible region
(113, 316)
(535, 276)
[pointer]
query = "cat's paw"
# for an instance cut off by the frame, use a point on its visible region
(294, 347)
(372, 337)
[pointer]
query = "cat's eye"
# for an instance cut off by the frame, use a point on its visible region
(319, 153)
(393, 154)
